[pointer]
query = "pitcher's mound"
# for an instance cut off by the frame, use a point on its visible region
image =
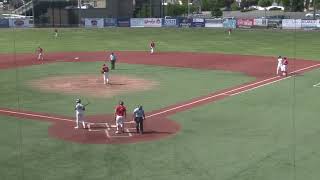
(92, 85)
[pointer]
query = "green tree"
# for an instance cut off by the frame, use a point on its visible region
(265, 3)
(216, 12)
(235, 6)
(143, 12)
(293, 5)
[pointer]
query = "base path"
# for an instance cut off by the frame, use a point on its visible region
(101, 127)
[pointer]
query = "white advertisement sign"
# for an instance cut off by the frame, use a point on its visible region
(137, 22)
(215, 23)
(94, 22)
(20, 23)
(170, 22)
(260, 22)
(152, 22)
(309, 23)
(291, 24)
(318, 23)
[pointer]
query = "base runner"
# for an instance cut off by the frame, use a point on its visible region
(284, 67)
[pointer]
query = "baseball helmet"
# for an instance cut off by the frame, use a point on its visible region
(279, 56)
(78, 100)
(140, 107)
(121, 102)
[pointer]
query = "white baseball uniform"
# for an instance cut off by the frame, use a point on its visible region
(279, 65)
(79, 114)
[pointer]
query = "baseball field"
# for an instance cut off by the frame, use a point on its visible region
(215, 108)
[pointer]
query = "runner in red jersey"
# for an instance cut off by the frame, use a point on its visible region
(284, 66)
(120, 116)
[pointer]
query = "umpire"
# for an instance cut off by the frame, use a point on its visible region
(139, 117)
(113, 59)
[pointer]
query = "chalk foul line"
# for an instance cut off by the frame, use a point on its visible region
(246, 88)
(232, 92)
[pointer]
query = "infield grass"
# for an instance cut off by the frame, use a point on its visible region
(174, 85)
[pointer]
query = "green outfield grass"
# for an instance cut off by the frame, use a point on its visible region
(259, 42)
(269, 133)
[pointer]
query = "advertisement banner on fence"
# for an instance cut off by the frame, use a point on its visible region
(170, 23)
(110, 22)
(197, 22)
(309, 23)
(318, 23)
(4, 23)
(260, 22)
(217, 23)
(137, 22)
(123, 22)
(229, 23)
(185, 22)
(152, 22)
(94, 22)
(291, 24)
(20, 23)
(245, 23)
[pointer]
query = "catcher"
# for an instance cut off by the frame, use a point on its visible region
(105, 73)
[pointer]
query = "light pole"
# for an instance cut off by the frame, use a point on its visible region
(188, 7)
(314, 9)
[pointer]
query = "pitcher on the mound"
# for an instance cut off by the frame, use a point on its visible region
(120, 116)
(105, 73)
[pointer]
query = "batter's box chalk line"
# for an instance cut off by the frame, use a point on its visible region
(109, 130)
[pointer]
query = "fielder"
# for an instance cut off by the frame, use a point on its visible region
(56, 33)
(105, 72)
(39, 51)
(79, 114)
(152, 46)
(284, 67)
(279, 64)
(120, 115)
(229, 31)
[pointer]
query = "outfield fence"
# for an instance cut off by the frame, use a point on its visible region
(183, 22)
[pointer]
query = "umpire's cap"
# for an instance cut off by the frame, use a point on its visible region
(78, 100)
